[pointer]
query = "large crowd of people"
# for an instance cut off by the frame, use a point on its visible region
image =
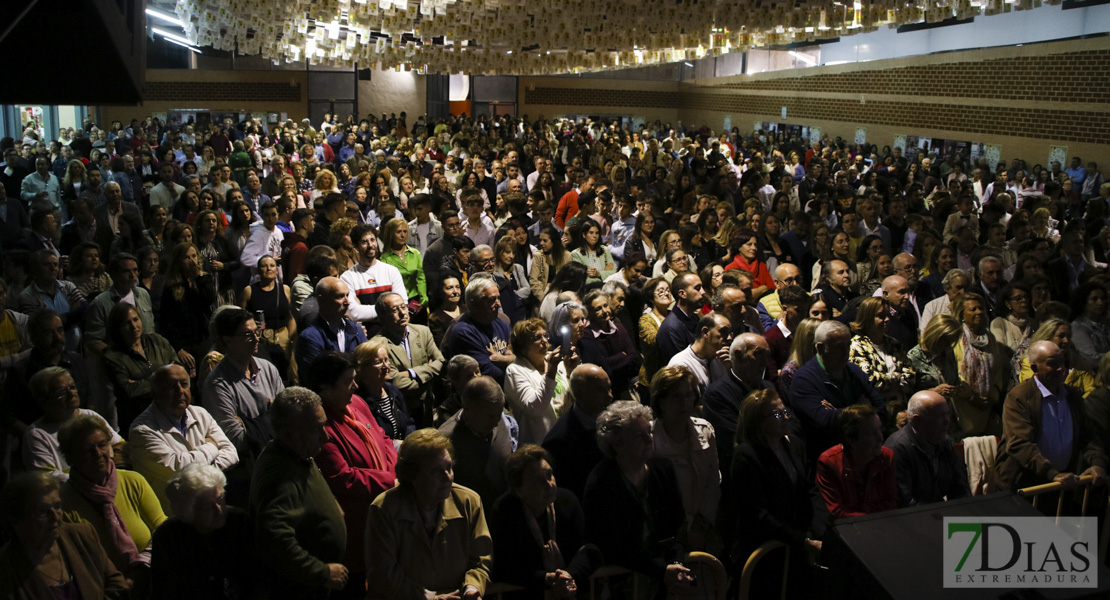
(394, 358)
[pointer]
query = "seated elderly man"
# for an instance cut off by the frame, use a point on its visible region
(415, 363)
(239, 391)
(299, 529)
(828, 384)
(707, 358)
(480, 333)
(1045, 433)
(925, 458)
(572, 441)
(331, 329)
(483, 439)
(171, 433)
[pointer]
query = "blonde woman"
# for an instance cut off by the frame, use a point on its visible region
(326, 183)
(802, 350)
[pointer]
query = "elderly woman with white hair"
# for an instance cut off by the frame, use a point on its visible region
(633, 508)
(206, 550)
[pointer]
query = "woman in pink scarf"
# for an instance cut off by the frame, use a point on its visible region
(119, 504)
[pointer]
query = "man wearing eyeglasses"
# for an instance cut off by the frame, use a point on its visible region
(239, 391)
(770, 307)
(415, 361)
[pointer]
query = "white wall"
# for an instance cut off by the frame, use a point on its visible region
(1025, 26)
(392, 92)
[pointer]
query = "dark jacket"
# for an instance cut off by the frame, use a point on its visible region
(771, 506)
(401, 415)
(13, 227)
(720, 405)
(519, 556)
(616, 519)
(676, 332)
(299, 526)
(918, 481)
(573, 447)
(812, 384)
(186, 564)
(319, 337)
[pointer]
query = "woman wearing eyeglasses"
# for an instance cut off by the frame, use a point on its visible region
(657, 305)
(1016, 320)
(779, 491)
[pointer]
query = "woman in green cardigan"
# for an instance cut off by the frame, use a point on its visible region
(592, 253)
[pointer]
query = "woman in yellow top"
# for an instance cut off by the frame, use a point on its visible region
(1057, 331)
(119, 504)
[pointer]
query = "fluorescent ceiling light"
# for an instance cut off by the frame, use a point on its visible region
(157, 14)
(183, 45)
(688, 64)
(171, 36)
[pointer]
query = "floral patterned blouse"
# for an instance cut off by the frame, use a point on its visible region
(886, 367)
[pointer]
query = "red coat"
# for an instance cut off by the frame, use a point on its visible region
(847, 493)
(345, 463)
(757, 268)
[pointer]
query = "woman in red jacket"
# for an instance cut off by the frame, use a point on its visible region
(747, 258)
(857, 477)
(358, 460)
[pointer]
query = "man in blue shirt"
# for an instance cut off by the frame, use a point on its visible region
(1076, 173)
(331, 330)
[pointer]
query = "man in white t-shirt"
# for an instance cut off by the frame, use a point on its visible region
(370, 278)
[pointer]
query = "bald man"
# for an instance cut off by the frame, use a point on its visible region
(572, 440)
(1045, 434)
(770, 307)
(750, 355)
(172, 433)
(331, 330)
(904, 319)
(928, 468)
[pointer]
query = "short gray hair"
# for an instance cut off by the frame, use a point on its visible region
(615, 418)
(112, 183)
(478, 285)
(476, 253)
(951, 276)
(610, 287)
(459, 362)
(561, 316)
(183, 488)
(290, 406)
(828, 329)
(989, 259)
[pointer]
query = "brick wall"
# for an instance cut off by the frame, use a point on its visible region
(602, 97)
(986, 118)
(1024, 98)
(1083, 75)
(209, 91)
